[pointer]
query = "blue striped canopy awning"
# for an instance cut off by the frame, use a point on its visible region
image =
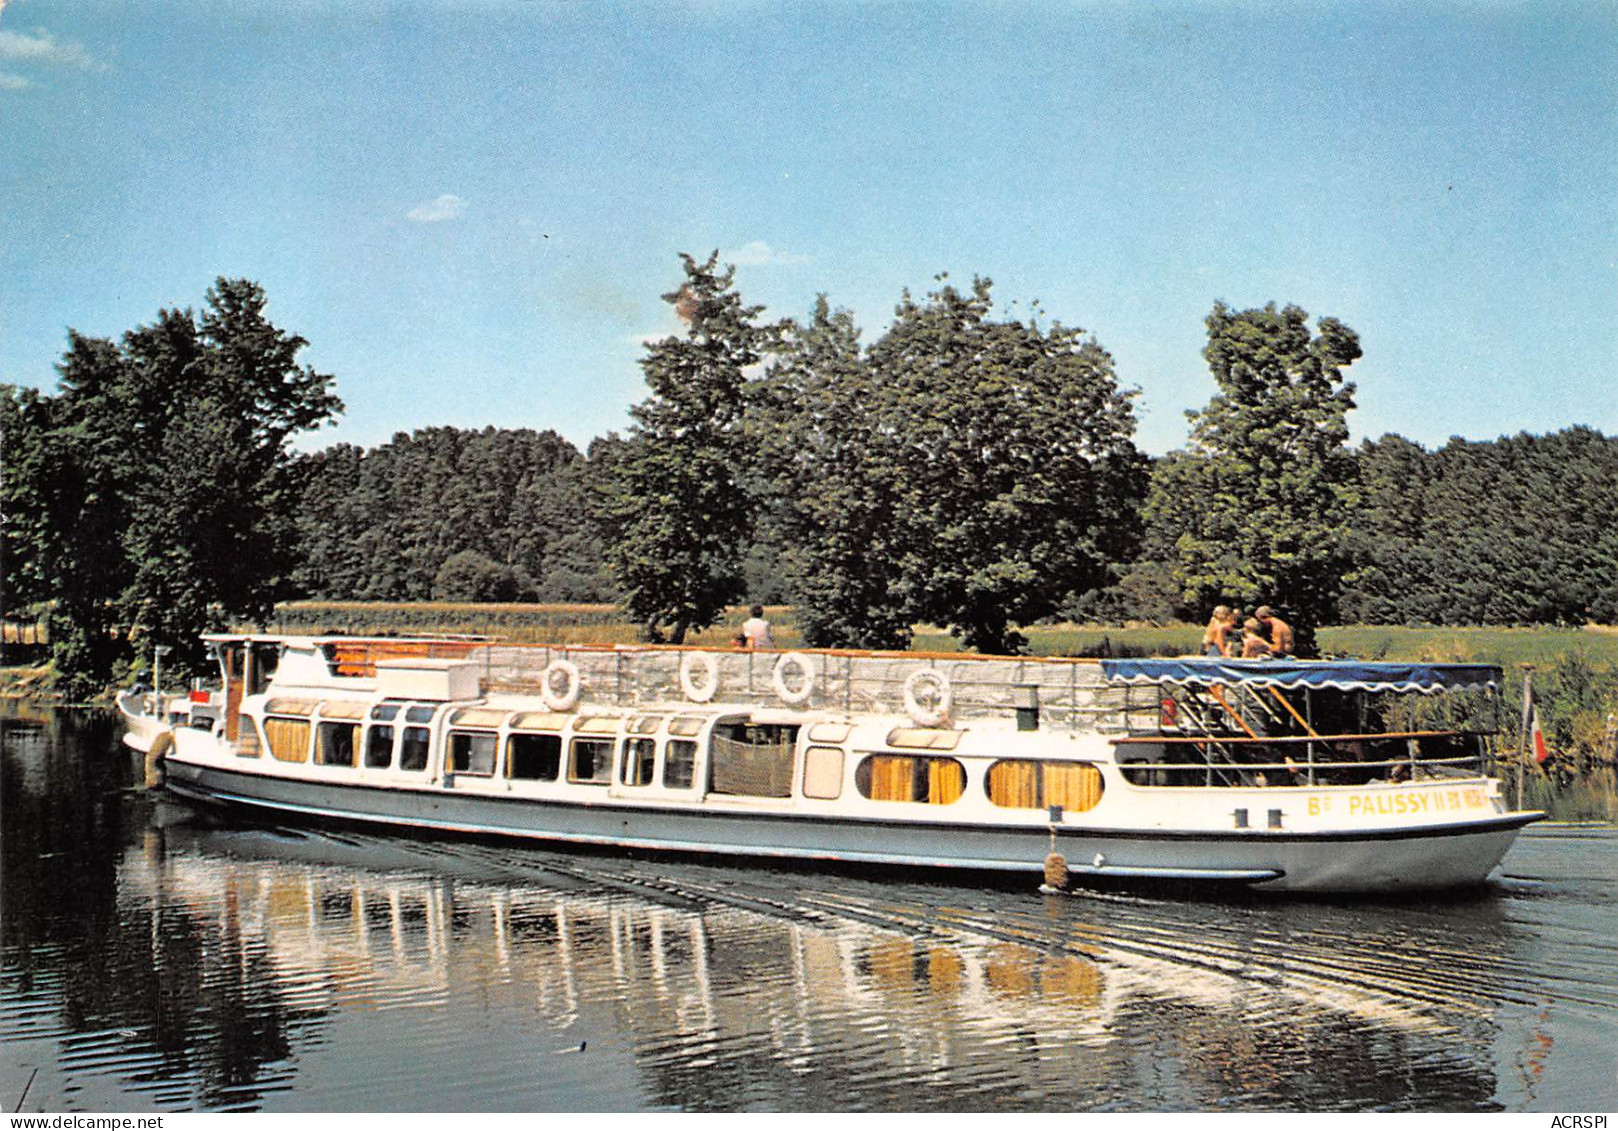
(1338, 675)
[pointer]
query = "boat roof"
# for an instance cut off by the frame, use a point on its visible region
(1337, 675)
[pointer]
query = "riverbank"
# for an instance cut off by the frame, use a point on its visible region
(31, 682)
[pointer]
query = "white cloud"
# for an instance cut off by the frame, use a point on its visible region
(42, 47)
(447, 207)
(13, 82)
(757, 253)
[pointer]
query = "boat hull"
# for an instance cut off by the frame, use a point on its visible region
(1383, 861)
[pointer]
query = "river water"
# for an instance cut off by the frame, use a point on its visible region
(152, 960)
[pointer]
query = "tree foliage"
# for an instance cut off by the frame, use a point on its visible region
(834, 491)
(160, 479)
(1519, 530)
(1260, 499)
(381, 524)
(966, 470)
(677, 511)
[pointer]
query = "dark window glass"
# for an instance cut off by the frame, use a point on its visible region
(413, 751)
(335, 743)
(379, 747)
(591, 761)
(420, 714)
(679, 764)
(384, 711)
(533, 757)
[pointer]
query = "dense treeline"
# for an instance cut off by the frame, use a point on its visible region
(449, 514)
(965, 469)
(1520, 530)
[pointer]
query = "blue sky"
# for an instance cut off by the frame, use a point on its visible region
(471, 209)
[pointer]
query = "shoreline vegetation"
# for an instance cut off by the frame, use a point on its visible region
(1575, 669)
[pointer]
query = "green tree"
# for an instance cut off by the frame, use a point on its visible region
(469, 576)
(1262, 496)
(25, 549)
(168, 481)
(678, 513)
(1009, 449)
(831, 472)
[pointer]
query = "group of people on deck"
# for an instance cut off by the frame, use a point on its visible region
(1262, 634)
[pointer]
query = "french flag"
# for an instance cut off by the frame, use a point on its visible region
(1537, 738)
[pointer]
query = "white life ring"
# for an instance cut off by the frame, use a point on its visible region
(927, 716)
(699, 688)
(564, 699)
(779, 678)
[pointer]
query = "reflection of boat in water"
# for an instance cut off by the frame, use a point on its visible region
(1292, 776)
(670, 963)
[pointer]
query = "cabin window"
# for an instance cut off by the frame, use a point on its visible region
(336, 743)
(379, 747)
(591, 761)
(1075, 786)
(752, 759)
(644, 724)
(413, 750)
(533, 757)
(420, 713)
(640, 755)
(385, 712)
(472, 752)
(823, 772)
(288, 739)
(686, 726)
(900, 777)
(679, 764)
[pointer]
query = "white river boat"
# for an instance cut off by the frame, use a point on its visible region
(1291, 776)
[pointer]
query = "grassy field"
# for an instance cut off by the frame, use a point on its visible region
(604, 624)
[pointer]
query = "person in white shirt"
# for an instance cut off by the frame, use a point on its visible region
(756, 630)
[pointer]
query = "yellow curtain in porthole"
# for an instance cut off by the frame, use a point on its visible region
(288, 739)
(946, 780)
(1073, 787)
(1014, 785)
(892, 778)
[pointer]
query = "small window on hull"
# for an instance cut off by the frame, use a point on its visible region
(640, 757)
(590, 761)
(336, 744)
(288, 739)
(472, 752)
(679, 764)
(823, 773)
(1075, 786)
(379, 747)
(900, 777)
(533, 757)
(413, 750)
